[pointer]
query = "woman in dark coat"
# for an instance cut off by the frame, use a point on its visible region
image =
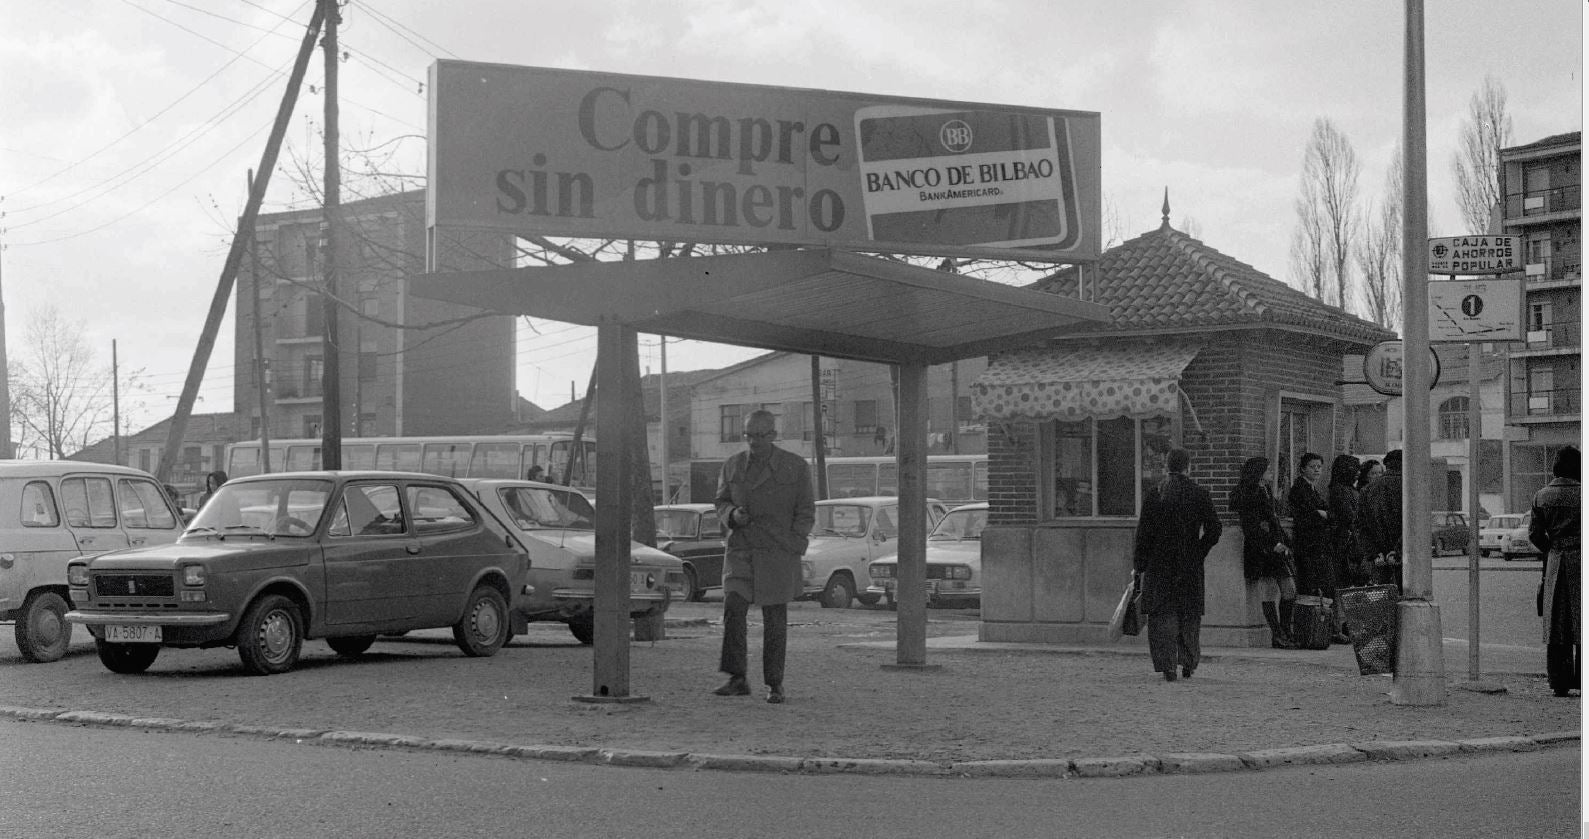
(1310, 529)
(1555, 526)
(1266, 550)
(1347, 557)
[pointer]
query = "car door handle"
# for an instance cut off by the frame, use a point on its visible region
(413, 549)
(136, 542)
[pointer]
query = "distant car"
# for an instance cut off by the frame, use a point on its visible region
(849, 533)
(1492, 534)
(558, 528)
(1448, 532)
(954, 561)
(54, 511)
(273, 560)
(1517, 545)
(693, 533)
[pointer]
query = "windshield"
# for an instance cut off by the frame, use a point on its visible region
(961, 524)
(676, 524)
(281, 507)
(535, 507)
(842, 520)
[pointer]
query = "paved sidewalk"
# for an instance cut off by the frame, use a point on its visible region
(1016, 710)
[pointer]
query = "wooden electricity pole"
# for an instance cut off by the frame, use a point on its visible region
(234, 257)
(331, 351)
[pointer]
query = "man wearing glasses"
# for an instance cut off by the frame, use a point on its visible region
(765, 500)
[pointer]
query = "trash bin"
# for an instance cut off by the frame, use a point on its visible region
(1371, 623)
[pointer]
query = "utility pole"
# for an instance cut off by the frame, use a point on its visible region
(330, 356)
(6, 452)
(261, 364)
(662, 409)
(234, 257)
(1420, 656)
(115, 403)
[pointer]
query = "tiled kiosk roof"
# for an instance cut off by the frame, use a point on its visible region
(1166, 282)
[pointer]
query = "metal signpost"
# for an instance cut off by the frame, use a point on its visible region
(1475, 312)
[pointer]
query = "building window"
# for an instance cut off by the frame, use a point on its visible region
(144, 458)
(865, 416)
(1103, 467)
(311, 425)
(1454, 418)
(314, 316)
(732, 422)
(796, 421)
(314, 368)
(367, 366)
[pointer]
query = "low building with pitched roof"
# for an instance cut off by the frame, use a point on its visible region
(1203, 352)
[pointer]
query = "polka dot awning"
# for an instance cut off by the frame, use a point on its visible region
(1137, 381)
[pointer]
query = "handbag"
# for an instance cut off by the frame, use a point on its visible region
(1127, 617)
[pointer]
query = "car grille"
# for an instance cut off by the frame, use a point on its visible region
(134, 585)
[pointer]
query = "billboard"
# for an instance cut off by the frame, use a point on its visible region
(536, 151)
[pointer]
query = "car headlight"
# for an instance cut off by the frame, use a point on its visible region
(193, 575)
(880, 572)
(77, 575)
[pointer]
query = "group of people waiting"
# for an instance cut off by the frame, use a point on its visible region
(1344, 533)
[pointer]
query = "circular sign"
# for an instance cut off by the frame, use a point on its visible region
(955, 135)
(1472, 305)
(1383, 367)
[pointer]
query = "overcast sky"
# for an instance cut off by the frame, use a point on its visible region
(127, 126)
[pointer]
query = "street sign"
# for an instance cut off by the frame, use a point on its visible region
(1461, 255)
(1382, 367)
(1476, 310)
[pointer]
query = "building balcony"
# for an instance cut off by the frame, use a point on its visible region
(1524, 206)
(1559, 405)
(1566, 269)
(1554, 338)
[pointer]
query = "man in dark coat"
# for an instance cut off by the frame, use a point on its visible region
(1555, 527)
(765, 500)
(1379, 518)
(1177, 530)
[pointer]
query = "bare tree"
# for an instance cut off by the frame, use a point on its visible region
(1476, 163)
(1328, 218)
(61, 395)
(1379, 252)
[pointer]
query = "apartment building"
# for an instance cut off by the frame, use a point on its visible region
(408, 365)
(1541, 202)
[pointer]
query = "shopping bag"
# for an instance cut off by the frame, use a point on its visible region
(1312, 621)
(1127, 617)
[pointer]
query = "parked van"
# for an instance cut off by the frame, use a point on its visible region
(53, 511)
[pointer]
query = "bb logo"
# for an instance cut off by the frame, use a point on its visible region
(955, 136)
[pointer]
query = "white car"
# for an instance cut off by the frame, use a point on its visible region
(556, 524)
(54, 511)
(1516, 545)
(849, 533)
(954, 561)
(1493, 533)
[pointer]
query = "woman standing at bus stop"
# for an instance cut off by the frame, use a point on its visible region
(1556, 527)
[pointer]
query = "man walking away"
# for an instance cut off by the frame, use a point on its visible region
(764, 498)
(1177, 530)
(1555, 526)
(1380, 521)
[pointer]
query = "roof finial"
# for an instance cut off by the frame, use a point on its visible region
(1166, 208)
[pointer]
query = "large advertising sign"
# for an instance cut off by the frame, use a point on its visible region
(535, 151)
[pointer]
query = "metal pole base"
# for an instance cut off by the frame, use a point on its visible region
(594, 699)
(1420, 655)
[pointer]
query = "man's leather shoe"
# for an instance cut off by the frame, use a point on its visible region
(775, 696)
(735, 686)
(1186, 672)
(1169, 675)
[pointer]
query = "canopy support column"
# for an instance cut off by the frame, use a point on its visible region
(910, 448)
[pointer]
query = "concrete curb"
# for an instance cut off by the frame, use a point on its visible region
(1121, 766)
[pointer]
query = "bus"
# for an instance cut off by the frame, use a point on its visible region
(458, 456)
(951, 478)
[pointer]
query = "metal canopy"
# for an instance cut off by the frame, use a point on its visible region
(818, 302)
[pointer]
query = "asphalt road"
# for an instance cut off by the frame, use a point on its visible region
(109, 783)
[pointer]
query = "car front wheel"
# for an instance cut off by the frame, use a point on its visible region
(839, 593)
(270, 636)
(126, 658)
(43, 632)
(483, 629)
